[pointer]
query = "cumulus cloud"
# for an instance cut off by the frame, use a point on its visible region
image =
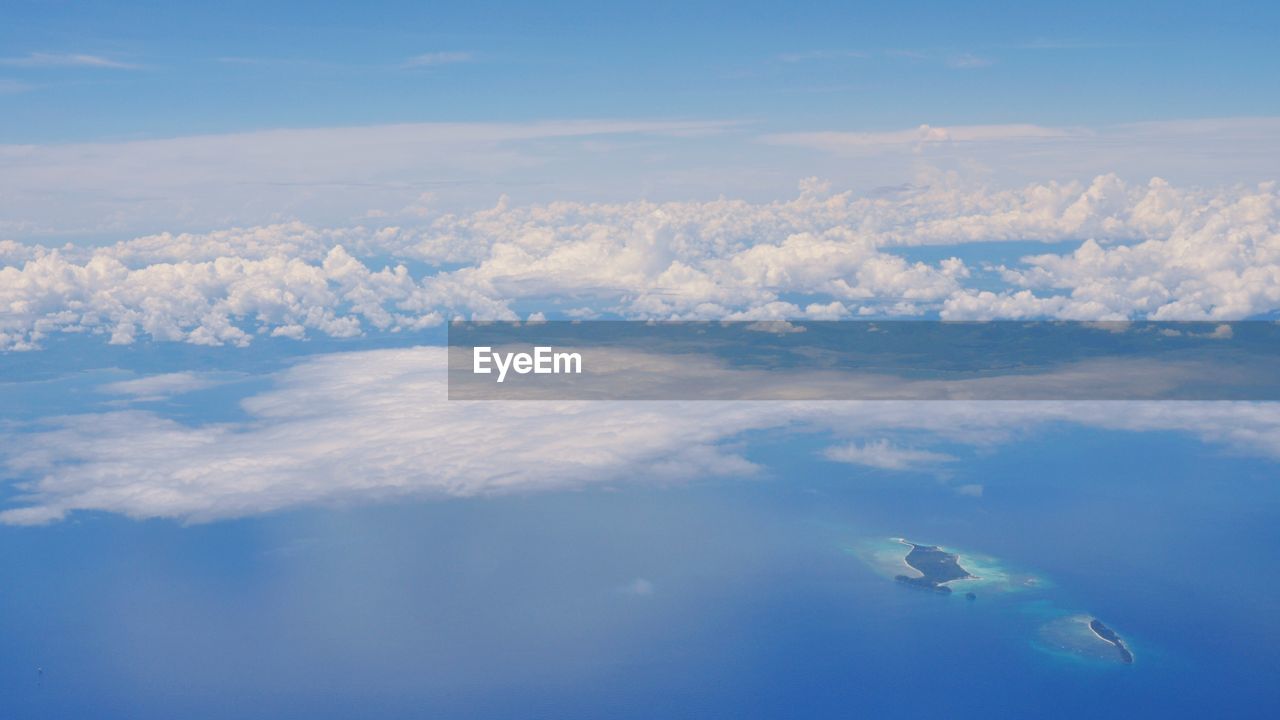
(1144, 251)
(358, 427)
(1215, 260)
(201, 302)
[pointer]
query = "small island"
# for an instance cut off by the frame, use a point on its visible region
(1110, 636)
(936, 567)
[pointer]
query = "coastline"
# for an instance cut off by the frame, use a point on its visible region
(1126, 654)
(959, 562)
(888, 556)
(912, 572)
(1072, 636)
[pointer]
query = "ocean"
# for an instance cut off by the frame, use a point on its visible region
(739, 597)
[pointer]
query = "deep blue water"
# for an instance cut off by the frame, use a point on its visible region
(527, 606)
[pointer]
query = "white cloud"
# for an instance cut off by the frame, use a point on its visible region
(45, 60)
(201, 302)
(336, 176)
(968, 61)
(1217, 259)
(885, 456)
(155, 387)
(812, 55)
(433, 59)
(1195, 152)
(1145, 251)
(328, 174)
(362, 427)
(638, 587)
(888, 141)
(355, 427)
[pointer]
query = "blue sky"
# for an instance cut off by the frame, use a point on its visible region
(303, 170)
(93, 71)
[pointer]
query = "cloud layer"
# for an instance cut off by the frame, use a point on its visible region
(1144, 251)
(337, 176)
(357, 427)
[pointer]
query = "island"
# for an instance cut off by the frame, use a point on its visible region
(1110, 636)
(936, 567)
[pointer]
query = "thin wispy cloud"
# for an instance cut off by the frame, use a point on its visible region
(159, 387)
(818, 55)
(9, 87)
(435, 59)
(907, 54)
(52, 60)
(954, 60)
(968, 61)
(259, 61)
(1049, 43)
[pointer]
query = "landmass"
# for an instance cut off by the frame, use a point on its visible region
(1085, 637)
(1110, 636)
(929, 567)
(936, 567)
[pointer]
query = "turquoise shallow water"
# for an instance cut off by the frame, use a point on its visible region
(1021, 595)
(887, 556)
